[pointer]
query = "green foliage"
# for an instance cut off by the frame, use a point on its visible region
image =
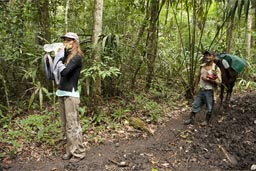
(39, 129)
(239, 7)
(31, 75)
(120, 114)
(6, 93)
(152, 109)
(246, 79)
(112, 71)
(4, 119)
(37, 90)
(101, 70)
(123, 41)
(99, 118)
(82, 110)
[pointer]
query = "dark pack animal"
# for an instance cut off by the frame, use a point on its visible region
(228, 75)
(228, 82)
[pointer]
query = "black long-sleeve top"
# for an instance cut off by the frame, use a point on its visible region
(70, 75)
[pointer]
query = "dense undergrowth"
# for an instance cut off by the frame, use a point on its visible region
(38, 132)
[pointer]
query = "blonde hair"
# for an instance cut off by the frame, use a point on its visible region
(75, 50)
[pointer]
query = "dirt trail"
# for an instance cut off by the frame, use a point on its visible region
(229, 143)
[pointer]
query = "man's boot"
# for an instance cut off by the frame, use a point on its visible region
(207, 119)
(190, 120)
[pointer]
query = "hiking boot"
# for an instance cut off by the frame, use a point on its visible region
(207, 119)
(190, 120)
(67, 156)
(76, 159)
(205, 123)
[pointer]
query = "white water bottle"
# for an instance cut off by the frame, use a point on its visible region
(53, 47)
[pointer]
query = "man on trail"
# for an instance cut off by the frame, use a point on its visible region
(208, 78)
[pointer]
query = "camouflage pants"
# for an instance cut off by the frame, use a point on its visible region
(71, 127)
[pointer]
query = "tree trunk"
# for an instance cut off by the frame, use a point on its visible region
(44, 35)
(66, 16)
(192, 47)
(140, 34)
(151, 50)
(230, 35)
(97, 31)
(249, 37)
